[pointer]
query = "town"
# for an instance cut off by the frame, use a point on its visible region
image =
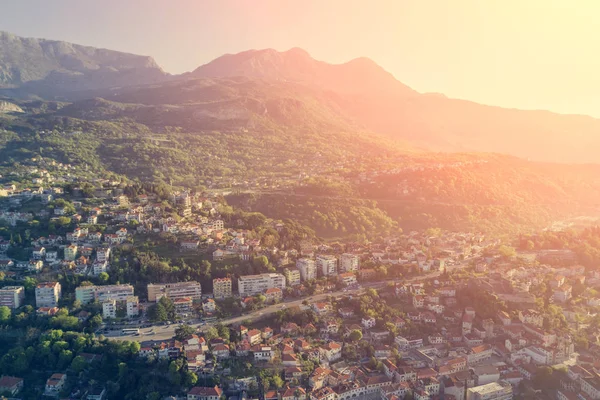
(421, 315)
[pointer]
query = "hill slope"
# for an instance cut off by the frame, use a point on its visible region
(50, 68)
(375, 99)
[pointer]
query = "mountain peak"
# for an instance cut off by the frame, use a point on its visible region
(361, 75)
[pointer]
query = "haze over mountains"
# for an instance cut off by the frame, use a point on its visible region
(357, 94)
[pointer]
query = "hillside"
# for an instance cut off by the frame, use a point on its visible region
(377, 101)
(52, 68)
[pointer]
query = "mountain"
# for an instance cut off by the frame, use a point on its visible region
(51, 68)
(358, 76)
(377, 101)
(290, 86)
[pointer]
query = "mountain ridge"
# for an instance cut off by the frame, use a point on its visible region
(359, 90)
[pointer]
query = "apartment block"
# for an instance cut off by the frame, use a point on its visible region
(222, 288)
(292, 276)
(88, 294)
(500, 390)
(109, 309)
(12, 296)
(327, 265)
(349, 262)
(250, 285)
(47, 294)
(133, 306)
(173, 291)
(307, 268)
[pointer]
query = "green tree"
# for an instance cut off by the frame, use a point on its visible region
(355, 335)
(5, 314)
(78, 364)
(103, 277)
(183, 331)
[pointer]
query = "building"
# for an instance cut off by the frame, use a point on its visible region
(327, 265)
(292, 276)
(11, 384)
(174, 291)
(47, 294)
(347, 278)
(55, 384)
(349, 262)
(307, 268)
(183, 305)
(204, 393)
(103, 254)
(500, 390)
(12, 296)
(109, 309)
(132, 304)
(222, 288)
(88, 294)
(273, 295)
(71, 252)
(251, 285)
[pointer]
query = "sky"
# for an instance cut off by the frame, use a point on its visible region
(530, 54)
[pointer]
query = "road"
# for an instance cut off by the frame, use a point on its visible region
(165, 332)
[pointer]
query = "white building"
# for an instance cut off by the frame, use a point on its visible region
(133, 307)
(88, 294)
(327, 265)
(501, 390)
(349, 262)
(307, 268)
(250, 285)
(174, 291)
(47, 294)
(109, 309)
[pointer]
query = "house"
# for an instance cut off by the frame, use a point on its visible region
(262, 353)
(332, 351)
(205, 393)
(220, 351)
(11, 384)
(209, 306)
(273, 295)
(254, 337)
(368, 322)
(55, 384)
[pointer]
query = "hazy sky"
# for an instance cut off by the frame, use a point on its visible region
(537, 54)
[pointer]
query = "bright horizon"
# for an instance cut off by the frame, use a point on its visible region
(537, 54)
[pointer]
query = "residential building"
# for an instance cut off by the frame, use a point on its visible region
(501, 390)
(327, 265)
(251, 285)
(173, 291)
(347, 278)
(12, 296)
(11, 384)
(222, 288)
(273, 295)
(71, 252)
(183, 305)
(349, 262)
(109, 309)
(47, 294)
(292, 276)
(133, 306)
(55, 384)
(204, 393)
(307, 268)
(88, 294)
